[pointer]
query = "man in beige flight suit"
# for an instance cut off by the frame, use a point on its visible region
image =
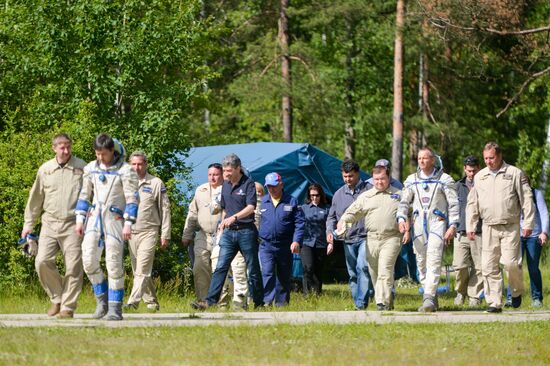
(500, 193)
(467, 253)
(201, 224)
(378, 207)
(54, 195)
(153, 215)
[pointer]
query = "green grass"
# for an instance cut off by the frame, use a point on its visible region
(390, 344)
(313, 344)
(32, 299)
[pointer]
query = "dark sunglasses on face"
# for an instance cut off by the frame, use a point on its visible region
(314, 195)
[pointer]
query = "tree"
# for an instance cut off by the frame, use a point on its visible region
(397, 150)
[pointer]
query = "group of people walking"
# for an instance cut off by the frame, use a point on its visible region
(88, 209)
(245, 238)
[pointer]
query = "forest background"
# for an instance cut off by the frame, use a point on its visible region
(163, 76)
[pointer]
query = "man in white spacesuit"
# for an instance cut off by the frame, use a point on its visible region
(435, 216)
(106, 209)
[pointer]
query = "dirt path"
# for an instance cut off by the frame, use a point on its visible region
(270, 318)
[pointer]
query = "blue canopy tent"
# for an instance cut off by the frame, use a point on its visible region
(299, 164)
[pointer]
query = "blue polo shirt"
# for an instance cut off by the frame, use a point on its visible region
(235, 198)
(283, 224)
(315, 228)
(342, 199)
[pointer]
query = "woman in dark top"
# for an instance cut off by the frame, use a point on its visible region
(314, 247)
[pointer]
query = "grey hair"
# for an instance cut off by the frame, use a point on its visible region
(139, 154)
(61, 136)
(231, 160)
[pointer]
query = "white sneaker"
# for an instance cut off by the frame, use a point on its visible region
(153, 307)
(474, 302)
(459, 299)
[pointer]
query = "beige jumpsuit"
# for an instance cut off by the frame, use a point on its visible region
(498, 199)
(153, 215)
(379, 209)
(54, 195)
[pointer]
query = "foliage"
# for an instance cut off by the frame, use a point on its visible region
(165, 75)
(131, 69)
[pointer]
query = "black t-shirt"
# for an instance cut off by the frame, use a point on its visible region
(234, 199)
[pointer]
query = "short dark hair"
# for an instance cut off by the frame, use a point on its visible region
(379, 169)
(104, 141)
(349, 165)
(493, 145)
(471, 161)
(318, 188)
(216, 166)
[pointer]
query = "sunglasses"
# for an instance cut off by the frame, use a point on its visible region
(315, 195)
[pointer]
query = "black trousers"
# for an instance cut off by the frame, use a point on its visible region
(312, 261)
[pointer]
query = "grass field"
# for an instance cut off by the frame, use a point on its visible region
(319, 344)
(392, 344)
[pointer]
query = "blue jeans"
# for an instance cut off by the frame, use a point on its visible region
(276, 260)
(232, 241)
(358, 271)
(531, 250)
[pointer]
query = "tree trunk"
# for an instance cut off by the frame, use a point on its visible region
(397, 150)
(349, 124)
(546, 164)
(284, 42)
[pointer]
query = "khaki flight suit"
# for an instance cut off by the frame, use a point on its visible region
(54, 195)
(153, 214)
(379, 209)
(201, 225)
(498, 200)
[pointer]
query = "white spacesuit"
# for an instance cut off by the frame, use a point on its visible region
(434, 208)
(108, 201)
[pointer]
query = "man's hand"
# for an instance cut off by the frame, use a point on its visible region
(26, 231)
(330, 238)
(543, 238)
(127, 232)
(406, 237)
(527, 232)
(403, 227)
(330, 248)
(79, 228)
(471, 235)
(295, 247)
(186, 242)
(164, 243)
(449, 234)
(228, 221)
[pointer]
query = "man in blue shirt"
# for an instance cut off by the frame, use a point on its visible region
(281, 232)
(355, 240)
(238, 201)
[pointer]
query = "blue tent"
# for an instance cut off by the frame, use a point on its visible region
(298, 164)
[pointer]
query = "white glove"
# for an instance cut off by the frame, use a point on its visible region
(32, 247)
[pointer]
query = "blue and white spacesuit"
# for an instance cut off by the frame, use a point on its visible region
(434, 204)
(108, 201)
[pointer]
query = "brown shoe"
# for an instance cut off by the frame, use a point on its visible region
(54, 309)
(65, 314)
